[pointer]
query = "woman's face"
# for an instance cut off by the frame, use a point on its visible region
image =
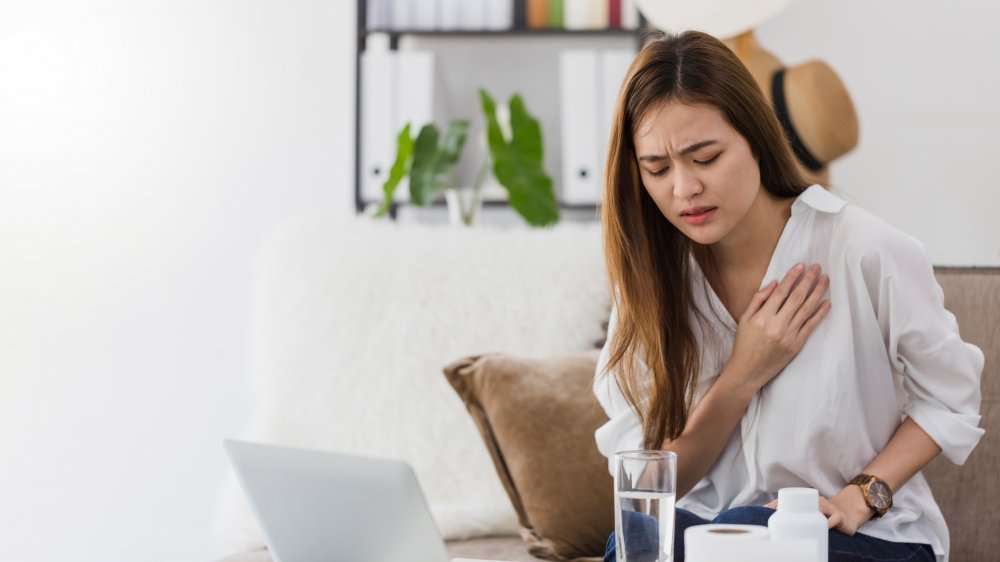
(698, 170)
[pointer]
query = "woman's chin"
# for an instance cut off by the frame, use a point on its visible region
(704, 235)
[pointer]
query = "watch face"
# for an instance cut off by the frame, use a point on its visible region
(879, 495)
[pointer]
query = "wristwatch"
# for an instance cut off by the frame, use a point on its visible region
(877, 494)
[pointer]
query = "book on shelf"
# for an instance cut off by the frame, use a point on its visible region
(450, 14)
(557, 12)
(499, 15)
(538, 14)
(615, 14)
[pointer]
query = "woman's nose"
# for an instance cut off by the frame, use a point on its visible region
(686, 183)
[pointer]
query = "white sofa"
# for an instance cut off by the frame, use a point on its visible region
(354, 320)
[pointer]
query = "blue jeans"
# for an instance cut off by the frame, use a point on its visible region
(859, 548)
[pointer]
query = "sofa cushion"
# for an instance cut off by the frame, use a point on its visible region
(968, 494)
(537, 418)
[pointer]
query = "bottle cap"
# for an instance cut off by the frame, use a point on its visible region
(798, 499)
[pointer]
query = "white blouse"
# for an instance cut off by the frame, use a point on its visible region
(887, 349)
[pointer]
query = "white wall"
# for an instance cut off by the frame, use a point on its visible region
(925, 80)
(145, 149)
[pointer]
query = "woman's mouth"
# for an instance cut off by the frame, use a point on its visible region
(699, 216)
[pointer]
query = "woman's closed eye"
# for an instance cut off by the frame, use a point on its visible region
(708, 162)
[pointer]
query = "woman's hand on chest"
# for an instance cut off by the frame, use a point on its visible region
(776, 325)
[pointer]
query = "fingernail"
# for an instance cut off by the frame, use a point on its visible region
(799, 267)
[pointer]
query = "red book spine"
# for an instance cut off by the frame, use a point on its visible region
(615, 13)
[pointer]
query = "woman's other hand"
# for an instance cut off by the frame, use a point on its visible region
(845, 512)
(777, 323)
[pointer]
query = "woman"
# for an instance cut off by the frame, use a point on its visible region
(768, 333)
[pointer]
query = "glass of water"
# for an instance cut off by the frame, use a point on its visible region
(645, 489)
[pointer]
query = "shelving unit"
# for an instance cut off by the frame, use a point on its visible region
(462, 36)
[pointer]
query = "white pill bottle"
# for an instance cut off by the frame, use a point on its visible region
(798, 517)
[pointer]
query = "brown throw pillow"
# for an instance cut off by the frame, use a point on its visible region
(538, 419)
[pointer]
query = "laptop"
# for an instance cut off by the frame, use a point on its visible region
(316, 506)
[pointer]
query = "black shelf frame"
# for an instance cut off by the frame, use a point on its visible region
(639, 34)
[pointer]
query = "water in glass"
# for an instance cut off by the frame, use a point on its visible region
(643, 518)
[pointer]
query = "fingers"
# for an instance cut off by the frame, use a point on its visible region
(771, 504)
(825, 507)
(811, 303)
(814, 320)
(833, 517)
(758, 300)
(783, 289)
(799, 294)
(835, 521)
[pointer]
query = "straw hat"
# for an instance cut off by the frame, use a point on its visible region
(721, 18)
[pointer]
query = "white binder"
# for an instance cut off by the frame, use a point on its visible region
(579, 94)
(613, 67)
(415, 86)
(378, 121)
(589, 81)
(414, 101)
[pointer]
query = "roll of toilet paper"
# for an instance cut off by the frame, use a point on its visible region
(746, 543)
(721, 543)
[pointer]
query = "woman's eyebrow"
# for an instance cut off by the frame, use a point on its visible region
(687, 150)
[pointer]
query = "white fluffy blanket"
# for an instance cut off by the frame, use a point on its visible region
(354, 320)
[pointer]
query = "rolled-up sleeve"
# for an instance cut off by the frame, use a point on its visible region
(623, 430)
(941, 373)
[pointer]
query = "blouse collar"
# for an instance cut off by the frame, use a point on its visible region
(817, 197)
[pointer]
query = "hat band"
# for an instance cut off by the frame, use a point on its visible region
(781, 110)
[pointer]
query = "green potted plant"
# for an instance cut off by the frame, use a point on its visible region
(514, 158)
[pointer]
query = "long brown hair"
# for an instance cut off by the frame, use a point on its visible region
(647, 257)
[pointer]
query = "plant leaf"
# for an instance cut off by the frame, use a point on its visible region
(518, 164)
(432, 164)
(401, 167)
(425, 156)
(454, 141)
